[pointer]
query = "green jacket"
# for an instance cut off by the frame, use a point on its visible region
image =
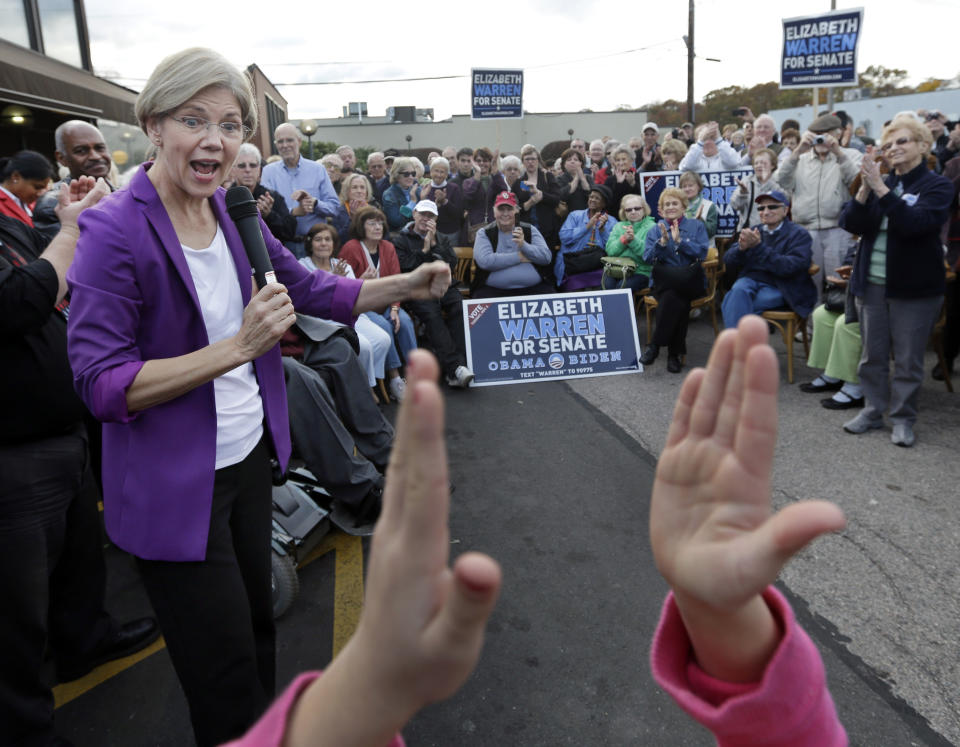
(633, 250)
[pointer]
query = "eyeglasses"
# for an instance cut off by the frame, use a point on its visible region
(900, 141)
(251, 165)
(231, 130)
(633, 209)
(761, 208)
(406, 173)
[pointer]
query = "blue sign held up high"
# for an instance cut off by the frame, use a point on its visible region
(821, 51)
(496, 94)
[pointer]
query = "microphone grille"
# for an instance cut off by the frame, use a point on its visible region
(240, 203)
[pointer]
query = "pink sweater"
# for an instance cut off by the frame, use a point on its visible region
(789, 707)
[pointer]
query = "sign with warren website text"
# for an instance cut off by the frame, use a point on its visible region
(554, 336)
(718, 187)
(496, 94)
(821, 51)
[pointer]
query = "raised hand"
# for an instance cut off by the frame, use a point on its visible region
(713, 536)
(74, 198)
(422, 627)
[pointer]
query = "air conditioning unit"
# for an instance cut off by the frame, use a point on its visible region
(856, 94)
(402, 113)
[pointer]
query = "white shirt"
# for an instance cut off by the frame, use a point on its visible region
(237, 393)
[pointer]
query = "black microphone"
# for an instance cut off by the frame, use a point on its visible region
(243, 211)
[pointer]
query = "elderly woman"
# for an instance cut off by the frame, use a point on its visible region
(710, 152)
(622, 178)
(628, 239)
(583, 241)
(334, 166)
(322, 244)
(448, 198)
(898, 277)
(542, 196)
(355, 194)
(761, 182)
(163, 346)
(673, 152)
(698, 207)
(509, 179)
(403, 193)
(24, 178)
(574, 182)
(675, 247)
(372, 256)
(271, 205)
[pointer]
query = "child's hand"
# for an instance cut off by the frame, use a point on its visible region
(713, 537)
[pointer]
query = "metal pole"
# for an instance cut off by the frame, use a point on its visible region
(833, 6)
(690, 103)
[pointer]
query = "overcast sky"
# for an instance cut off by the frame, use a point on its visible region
(575, 53)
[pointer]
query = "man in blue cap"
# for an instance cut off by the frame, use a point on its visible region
(774, 265)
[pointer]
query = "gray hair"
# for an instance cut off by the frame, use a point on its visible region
(348, 182)
(375, 154)
(332, 159)
(250, 149)
(511, 161)
(596, 142)
(766, 116)
(626, 149)
(401, 164)
(343, 149)
(61, 132)
(181, 76)
(440, 161)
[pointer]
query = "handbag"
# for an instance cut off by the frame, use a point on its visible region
(617, 268)
(835, 297)
(586, 260)
(687, 280)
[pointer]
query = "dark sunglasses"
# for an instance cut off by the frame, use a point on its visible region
(248, 165)
(406, 173)
(761, 208)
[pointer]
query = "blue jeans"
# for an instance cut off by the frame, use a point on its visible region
(637, 281)
(405, 336)
(749, 296)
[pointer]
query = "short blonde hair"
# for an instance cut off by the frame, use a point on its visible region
(674, 147)
(182, 75)
(643, 204)
(348, 182)
(920, 132)
(401, 164)
(676, 194)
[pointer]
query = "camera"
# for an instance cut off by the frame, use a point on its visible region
(819, 140)
(739, 112)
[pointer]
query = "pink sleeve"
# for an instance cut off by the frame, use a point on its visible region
(789, 707)
(270, 729)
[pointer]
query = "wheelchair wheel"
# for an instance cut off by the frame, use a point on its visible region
(283, 582)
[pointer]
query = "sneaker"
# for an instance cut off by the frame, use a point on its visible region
(903, 435)
(862, 424)
(461, 378)
(398, 387)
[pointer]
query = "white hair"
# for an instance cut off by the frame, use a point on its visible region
(510, 161)
(251, 150)
(440, 161)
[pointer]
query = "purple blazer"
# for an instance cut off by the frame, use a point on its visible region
(133, 300)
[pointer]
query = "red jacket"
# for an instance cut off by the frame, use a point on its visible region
(352, 253)
(9, 206)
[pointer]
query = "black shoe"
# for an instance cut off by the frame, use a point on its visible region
(937, 372)
(128, 639)
(650, 354)
(828, 386)
(832, 404)
(673, 363)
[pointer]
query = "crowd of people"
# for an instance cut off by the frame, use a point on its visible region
(151, 371)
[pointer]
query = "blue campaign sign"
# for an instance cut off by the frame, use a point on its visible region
(496, 94)
(552, 336)
(718, 187)
(821, 51)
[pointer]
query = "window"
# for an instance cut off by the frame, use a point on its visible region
(13, 22)
(58, 24)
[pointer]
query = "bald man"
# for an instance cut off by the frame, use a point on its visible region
(80, 147)
(304, 184)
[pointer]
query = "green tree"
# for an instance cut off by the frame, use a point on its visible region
(884, 81)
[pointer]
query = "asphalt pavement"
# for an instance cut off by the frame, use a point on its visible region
(553, 480)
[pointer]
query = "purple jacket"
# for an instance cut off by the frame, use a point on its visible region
(133, 300)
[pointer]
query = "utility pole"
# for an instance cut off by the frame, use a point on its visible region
(690, 55)
(833, 6)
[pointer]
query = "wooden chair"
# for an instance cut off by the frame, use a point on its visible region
(712, 270)
(465, 268)
(789, 323)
